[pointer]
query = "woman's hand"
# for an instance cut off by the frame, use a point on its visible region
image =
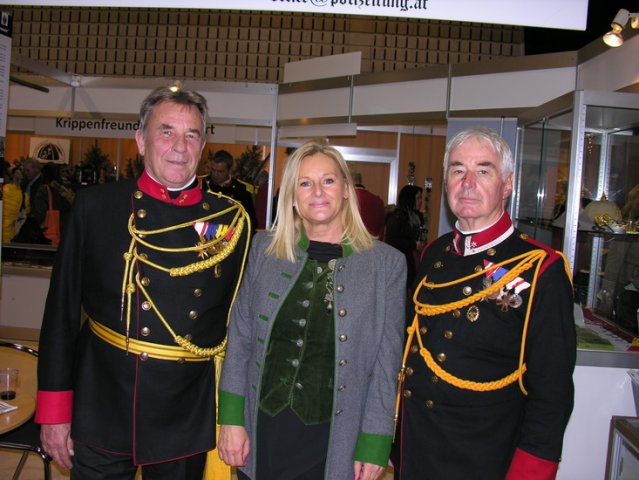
(367, 471)
(233, 445)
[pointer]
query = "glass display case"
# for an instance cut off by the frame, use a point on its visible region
(578, 191)
(623, 449)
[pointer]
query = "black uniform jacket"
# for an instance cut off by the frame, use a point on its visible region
(154, 409)
(452, 433)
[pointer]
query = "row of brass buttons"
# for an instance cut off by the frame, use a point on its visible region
(448, 334)
(407, 394)
(145, 281)
(342, 338)
(409, 373)
(193, 314)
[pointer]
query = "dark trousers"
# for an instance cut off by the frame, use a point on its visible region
(287, 449)
(315, 473)
(94, 464)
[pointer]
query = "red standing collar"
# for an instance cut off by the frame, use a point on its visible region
(476, 242)
(187, 197)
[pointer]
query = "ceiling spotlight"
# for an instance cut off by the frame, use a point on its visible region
(614, 37)
(177, 86)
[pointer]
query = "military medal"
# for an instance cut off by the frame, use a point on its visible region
(504, 298)
(516, 286)
(509, 300)
(207, 232)
(491, 277)
(515, 300)
(472, 314)
(503, 302)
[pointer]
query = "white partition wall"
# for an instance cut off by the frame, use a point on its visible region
(600, 393)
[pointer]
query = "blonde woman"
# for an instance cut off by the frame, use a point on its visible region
(309, 379)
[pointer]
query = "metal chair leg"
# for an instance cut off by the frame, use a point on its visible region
(46, 460)
(18, 470)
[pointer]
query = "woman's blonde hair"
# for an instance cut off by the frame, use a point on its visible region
(287, 228)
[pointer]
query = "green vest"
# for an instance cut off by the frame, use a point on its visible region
(300, 358)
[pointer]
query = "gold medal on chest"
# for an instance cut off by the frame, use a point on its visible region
(472, 314)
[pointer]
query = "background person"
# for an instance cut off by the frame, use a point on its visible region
(39, 201)
(220, 180)
(154, 262)
(31, 170)
(371, 208)
(489, 359)
(61, 197)
(404, 227)
(309, 378)
(31, 230)
(13, 201)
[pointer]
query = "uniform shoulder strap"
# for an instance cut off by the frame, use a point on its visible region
(552, 254)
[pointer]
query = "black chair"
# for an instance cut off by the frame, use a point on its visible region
(25, 438)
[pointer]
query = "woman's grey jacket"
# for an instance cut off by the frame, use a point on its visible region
(369, 316)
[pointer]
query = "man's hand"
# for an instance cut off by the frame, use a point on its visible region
(233, 445)
(367, 471)
(56, 441)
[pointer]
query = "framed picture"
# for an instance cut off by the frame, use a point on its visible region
(54, 150)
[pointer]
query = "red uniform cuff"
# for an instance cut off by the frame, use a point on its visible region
(526, 466)
(54, 407)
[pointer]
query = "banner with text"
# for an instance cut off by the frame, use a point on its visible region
(564, 14)
(94, 127)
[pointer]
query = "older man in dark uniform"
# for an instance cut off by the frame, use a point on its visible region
(154, 263)
(487, 370)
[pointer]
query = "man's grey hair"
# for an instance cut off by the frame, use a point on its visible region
(486, 135)
(188, 98)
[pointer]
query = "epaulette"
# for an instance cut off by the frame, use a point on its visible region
(249, 187)
(553, 255)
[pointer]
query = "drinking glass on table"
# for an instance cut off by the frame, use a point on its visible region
(8, 383)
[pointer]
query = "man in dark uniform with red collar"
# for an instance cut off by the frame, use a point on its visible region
(487, 373)
(221, 181)
(154, 264)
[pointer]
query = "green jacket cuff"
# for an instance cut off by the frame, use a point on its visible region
(374, 449)
(230, 409)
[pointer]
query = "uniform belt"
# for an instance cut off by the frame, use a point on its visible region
(142, 348)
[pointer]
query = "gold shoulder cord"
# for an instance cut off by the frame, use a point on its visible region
(525, 262)
(219, 244)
